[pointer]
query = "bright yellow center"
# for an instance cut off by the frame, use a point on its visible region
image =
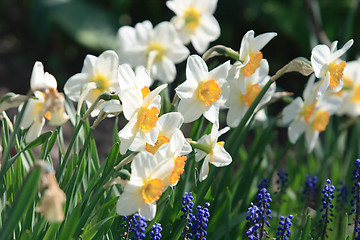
(152, 190)
(102, 85)
(356, 96)
(209, 92)
(336, 73)
(178, 169)
(307, 111)
(145, 91)
(147, 118)
(321, 120)
(251, 93)
(158, 49)
(253, 64)
(192, 19)
(161, 140)
(221, 143)
(48, 116)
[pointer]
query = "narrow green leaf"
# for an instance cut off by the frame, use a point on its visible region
(70, 225)
(51, 231)
(306, 232)
(23, 200)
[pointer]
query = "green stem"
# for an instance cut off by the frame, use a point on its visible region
(202, 147)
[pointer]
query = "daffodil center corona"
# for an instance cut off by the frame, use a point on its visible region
(252, 90)
(356, 96)
(253, 64)
(321, 120)
(147, 118)
(192, 19)
(209, 92)
(178, 169)
(307, 111)
(336, 73)
(221, 143)
(145, 91)
(152, 190)
(102, 84)
(161, 140)
(158, 49)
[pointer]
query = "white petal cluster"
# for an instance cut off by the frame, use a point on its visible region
(158, 49)
(194, 22)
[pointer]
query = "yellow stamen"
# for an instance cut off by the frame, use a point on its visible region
(336, 73)
(178, 169)
(251, 93)
(192, 19)
(307, 111)
(102, 85)
(253, 64)
(159, 49)
(321, 120)
(48, 116)
(221, 143)
(209, 92)
(147, 118)
(161, 140)
(152, 190)
(356, 96)
(145, 91)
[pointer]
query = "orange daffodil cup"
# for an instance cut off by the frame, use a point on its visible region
(203, 92)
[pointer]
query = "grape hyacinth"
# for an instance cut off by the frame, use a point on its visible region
(310, 189)
(342, 196)
(252, 221)
(327, 206)
(258, 215)
(200, 221)
(357, 232)
(187, 209)
(138, 226)
(356, 194)
(282, 180)
(155, 231)
(284, 231)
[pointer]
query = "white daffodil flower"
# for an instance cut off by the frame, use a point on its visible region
(328, 67)
(98, 75)
(168, 124)
(244, 90)
(250, 54)
(217, 155)
(175, 152)
(194, 22)
(48, 103)
(350, 94)
(158, 48)
(203, 92)
(319, 121)
(141, 108)
(145, 186)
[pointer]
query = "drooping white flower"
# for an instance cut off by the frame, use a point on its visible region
(141, 108)
(203, 92)
(217, 154)
(195, 23)
(158, 48)
(250, 54)
(48, 103)
(98, 75)
(328, 67)
(145, 186)
(169, 125)
(244, 90)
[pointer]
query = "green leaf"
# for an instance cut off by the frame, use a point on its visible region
(38, 141)
(306, 232)
(23, 200)
(71, 224)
